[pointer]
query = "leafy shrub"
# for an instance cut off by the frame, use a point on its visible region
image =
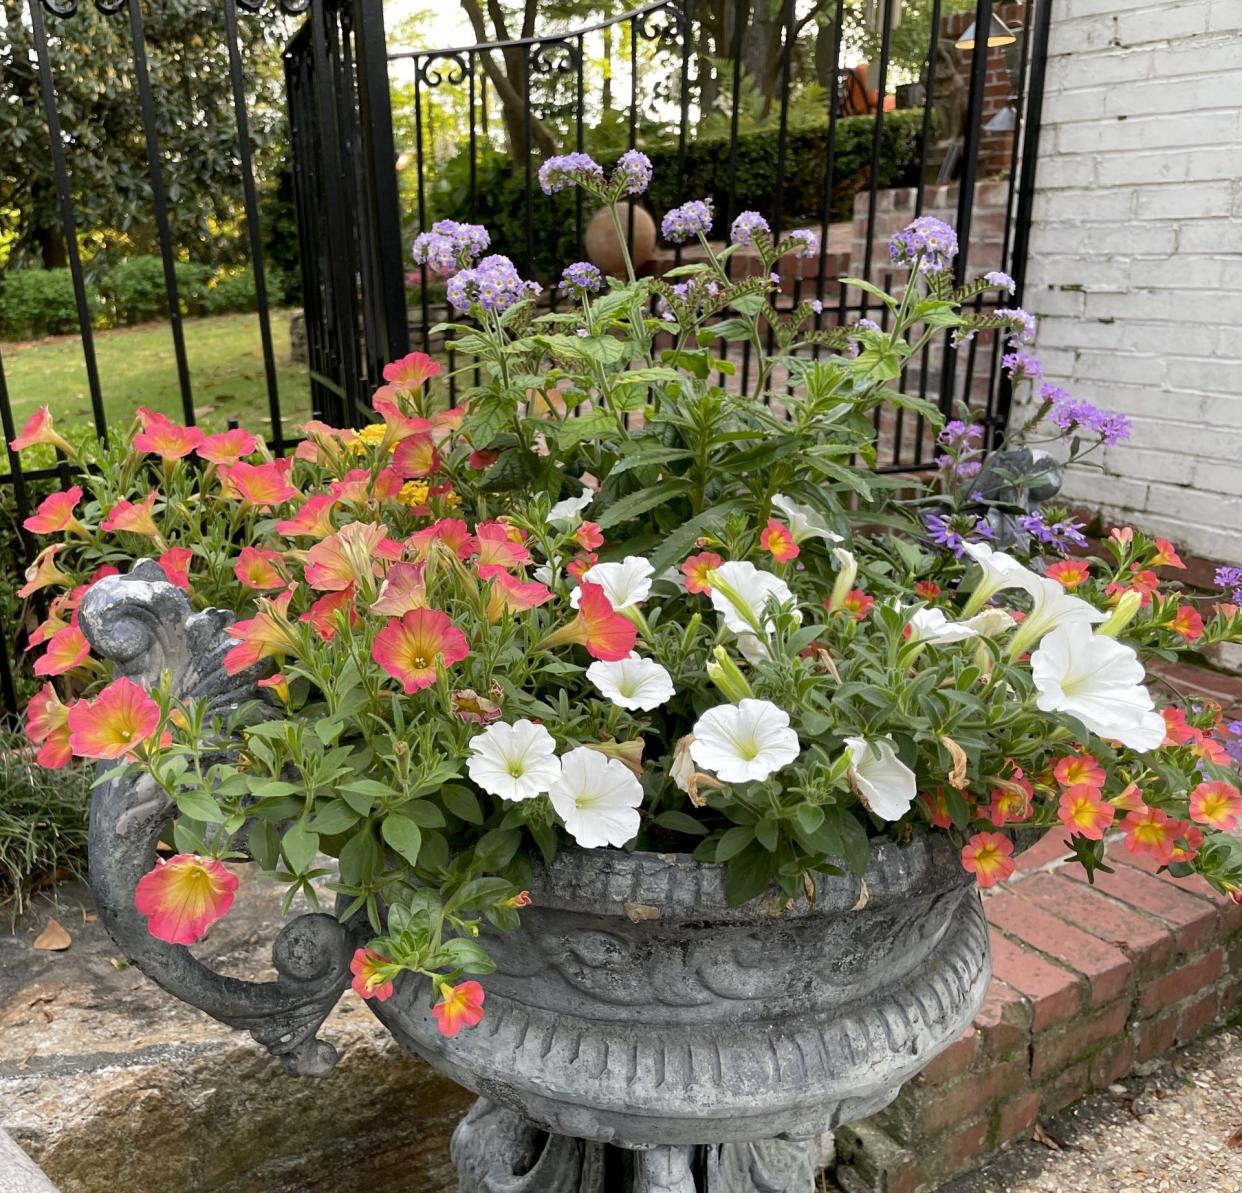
(37, 302)
(136, 293)
(43, 818)
(232, 289)
(500, 192)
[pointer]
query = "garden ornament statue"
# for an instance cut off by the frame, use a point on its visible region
(653, 764)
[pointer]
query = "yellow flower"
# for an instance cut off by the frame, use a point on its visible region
(370, 436)
(413, 493)
(451, 500)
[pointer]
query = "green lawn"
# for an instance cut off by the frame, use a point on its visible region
(137, 368)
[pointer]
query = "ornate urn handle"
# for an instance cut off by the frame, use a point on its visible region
(145, 625)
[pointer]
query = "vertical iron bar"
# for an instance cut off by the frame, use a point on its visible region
(253, 227)
(155, 172)
(423, 275)
(580, 138)
(68, 216)
(474, 144)
(877, 148)
(829, 163)
(529, 197)
(933, 49)
(730, 211)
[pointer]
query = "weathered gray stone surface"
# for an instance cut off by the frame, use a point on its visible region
(114, 1086)
(18, 1172)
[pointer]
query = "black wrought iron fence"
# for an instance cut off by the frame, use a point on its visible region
(384, 140)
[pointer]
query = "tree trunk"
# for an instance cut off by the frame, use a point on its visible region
(53, 251)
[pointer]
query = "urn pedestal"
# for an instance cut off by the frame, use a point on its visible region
(640, 1035)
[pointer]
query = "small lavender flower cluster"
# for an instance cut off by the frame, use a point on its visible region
(1060, 536)
(1002, 281)
(926, 239)
(1072, 414)
(954, 531)
(963, 440)
(1230, 577)
(865, 324)
(570, 169)
(747, 226)
(1022, 366)
(449, 245)
(494, 284)
(582, 277)
(1024, 334)
(805, 242)
(690, 219)
(957, 433)
(694, 293)
(1233, 744)
(632, 173)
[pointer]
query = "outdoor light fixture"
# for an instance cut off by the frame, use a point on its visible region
(998, 35)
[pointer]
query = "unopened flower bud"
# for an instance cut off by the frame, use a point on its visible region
(1124, 612)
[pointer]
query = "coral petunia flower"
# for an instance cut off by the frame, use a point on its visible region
(227, 447)
(1069, 573)
(323, 614)
(581, 564)
(1079, 770)
(278, 683)
(989, 857)
(373, 975)
(182, 897)
(496, 548)
(1194, 842)
(1130, 799)
(1082, 811)
(135, 518)
(459, 1006)
(115, 723)
(47, 726)
(452, 532)
(697, 571)
(1177, 730)
(67, 649)
(1166, 555)
(1151, 831)
(44, 573)
(359, 486)
(55, 514)
(411, 371)
(168, 440)
(347, 557)
(312, 520)
(175, 564)
(928, 590)
(1146, 583)
(1188, 622)
(261, 485)
(269, 633)
(1217, 803)
(857, 603)
(1206, 747)
(776, 539)
(39, 429)
(589, 536)
(1009, 804)
(409, 647)
(260, 569)
(606, 634)
(404, 588)
(514, 595)
(936, 805)
(416, 456)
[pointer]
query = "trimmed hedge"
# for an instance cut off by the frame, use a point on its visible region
(39, 302)
(501, 193)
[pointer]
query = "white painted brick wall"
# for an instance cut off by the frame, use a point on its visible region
(1136, 255)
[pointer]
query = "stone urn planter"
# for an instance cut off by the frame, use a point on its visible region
(640, 1034)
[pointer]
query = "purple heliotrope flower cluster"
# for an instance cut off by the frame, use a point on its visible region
(690, 219)
(1024, 334)
(1073, 414)
(747, 226)
(694, 293)
(954, 531)
(449, 245)
(570, 169)
(1002, 281)
(632, 173)
(1022, 366)
(1060, 536)
(494, 284)
(583, 277)
(806, 242)
(1230, 577)
(865, 324)
(926, 239)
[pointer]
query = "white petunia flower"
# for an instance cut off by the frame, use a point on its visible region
(741, 592)
(1051, 608)
(1000, 571)
(625, 584)
(567, 511)
(597, 798)
(881, 778)
(744, 742)
(931, 625)
(989, 623)
(514, 762)
(632, 682)
(1099, 681)
(803, 521)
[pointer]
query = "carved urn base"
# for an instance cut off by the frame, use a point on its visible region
(497, 1150)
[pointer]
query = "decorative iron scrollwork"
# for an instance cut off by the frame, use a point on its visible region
(453, 72)
(110, 8)
(67, 9)
(660, 24)
(555, 57)
(146, 626)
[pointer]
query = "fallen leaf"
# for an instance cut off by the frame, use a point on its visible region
(1039, 1135)
(957, 776)
(25, 1060)
(864, 896)
(53, 938)
(118, 964)
(1235, 1140)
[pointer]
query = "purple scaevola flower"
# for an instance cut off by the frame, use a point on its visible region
(583, 277)
(1002, 281)
(944, 534)
(690, 219)
(1070, 414)
(927, 240)
(570, 169)
(1022, 366)
(1230, 577)
(1024, 334)
(632, 173)
(747, 226)
(1060, 536)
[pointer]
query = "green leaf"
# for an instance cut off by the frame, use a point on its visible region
(360, 858)
(676, 545)
(583, 426)
(299, 845)
(646, 456)
(860, 284)
(403, 835)
(198, 805)
(680, 822)
(462, 803)
(768, 834)
(423, 812)
(639, 503)
(467, 955)
(748, 875)
(733, 841)
(333, 817)
(263, 844)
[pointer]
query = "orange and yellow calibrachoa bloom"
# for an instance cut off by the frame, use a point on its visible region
(184, 896)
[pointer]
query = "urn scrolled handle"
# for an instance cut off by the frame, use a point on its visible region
(146, 626)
